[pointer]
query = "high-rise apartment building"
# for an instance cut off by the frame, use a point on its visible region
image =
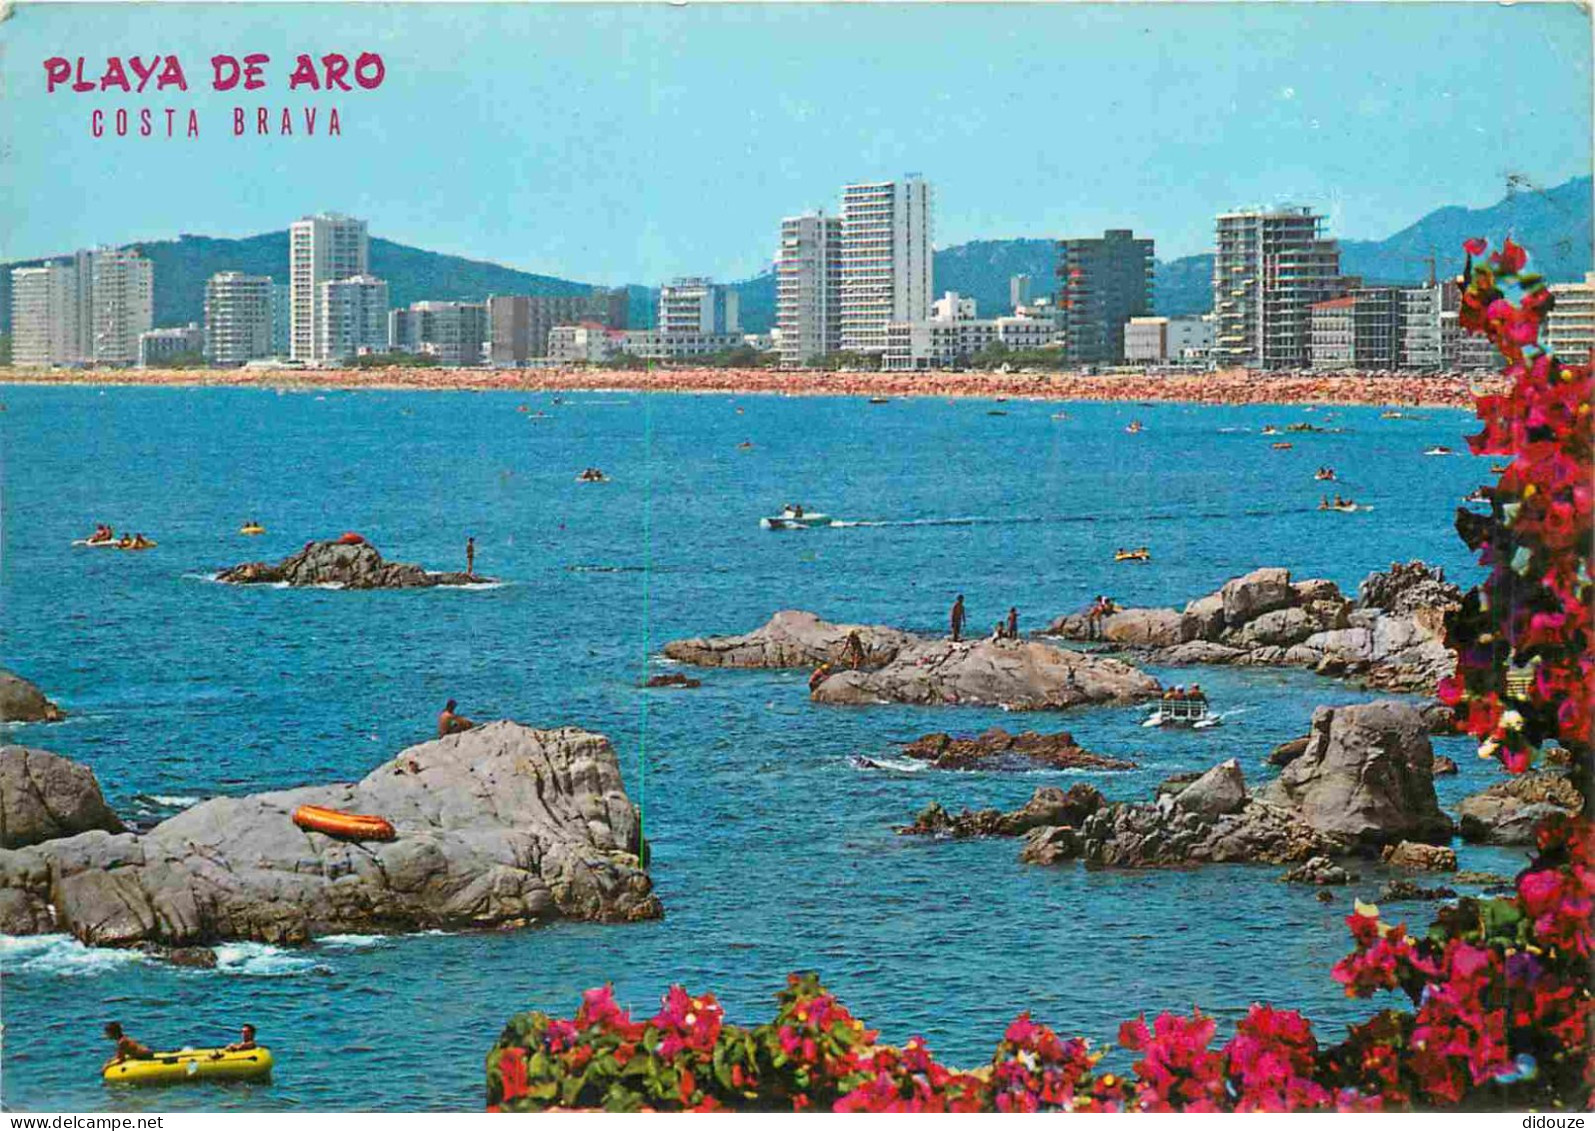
(238, 318)
(1103, 283)
(1569, 329)
(1018, 292)
(886, 272)
(123, 304)
(1269, 270)
(44, 315)
(282, 319)
(452, 332)
(808, 287)
(1420, 328)
(697, 306)
(352, 317)
(321, 249)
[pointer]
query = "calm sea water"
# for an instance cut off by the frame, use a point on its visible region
(772, 852)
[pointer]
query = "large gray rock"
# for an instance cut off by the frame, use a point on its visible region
(1261, 591)
(342, 566)
(1221, 790)
(1367, 774)
(44, 796)
(1508, 811)
(1145, 628)
(1020, 675)
(790, 639)
(1405, 590)
(498, 826)
(22, 702)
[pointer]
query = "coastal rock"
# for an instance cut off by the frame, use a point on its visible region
(1483, 879)
(1443, 766)
(1367, 774)
(1287, 752)
(1318, 870)
(1438, 718)
(1420, 857)
(1508, 811)
(198, 957)
(1261, 591)
(1050, 844)
(790, 639)
(672, 679)
(1221, 790)
(1057, 751)
(501, 825)
(1017, 674)
(1048, 806)
(1263, 618)
(1174, 783)
(22, 702)
(340, 565)
(44, 796)
(1403, 891)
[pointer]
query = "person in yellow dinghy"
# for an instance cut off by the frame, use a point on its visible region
(126, 1047)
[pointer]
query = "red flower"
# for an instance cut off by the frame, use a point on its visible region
(1475, 246)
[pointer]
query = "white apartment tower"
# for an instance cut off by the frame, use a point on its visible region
(1569, 330)
(886, 260)
(698, 306)
(1270, 268)
(238, 318)
(808, 287)
(123, 297)
(321, 249)
(351, 316)
(44, 315)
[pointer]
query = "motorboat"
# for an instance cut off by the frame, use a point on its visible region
(795, 518)
(1184, 712)
(1438, 450)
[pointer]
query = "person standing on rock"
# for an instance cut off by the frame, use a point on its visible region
(470, 557)
(451, 723)
(957, 618)
(1013, 622)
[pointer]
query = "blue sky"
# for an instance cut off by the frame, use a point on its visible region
(630, 143)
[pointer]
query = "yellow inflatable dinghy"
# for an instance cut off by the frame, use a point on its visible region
(191, 1065)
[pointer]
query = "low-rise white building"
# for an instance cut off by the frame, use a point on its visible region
(665, 345)
(937, 343)
(159, 347)
(586, 343)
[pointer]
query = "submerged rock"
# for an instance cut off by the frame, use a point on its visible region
(44, 796)
(1508, 811)
(1058, 751)
(344, 566)
(500, 825)
(790, 639)
(1017, 674)
(1391, 637)
(22, 702)
(1401, 891)
(1049, 805)
(673, 679)
(1319, 870)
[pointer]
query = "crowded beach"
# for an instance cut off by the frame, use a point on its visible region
(1228, 387)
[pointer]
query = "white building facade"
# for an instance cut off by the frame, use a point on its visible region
(44, 316)
(453, 332)
(238, 318)
(886, 273)
(123, 304)
(808, 287)
(1569, 330)
(352, 318)
(697, 306)
(586, 344)
(325, 248)
(1268, 271)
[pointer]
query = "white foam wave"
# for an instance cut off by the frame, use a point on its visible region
(352, 942)
(62, 955)
(176, 799)
(262, 960)
(896, 765)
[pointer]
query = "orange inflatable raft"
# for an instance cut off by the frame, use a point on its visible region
(350, 826)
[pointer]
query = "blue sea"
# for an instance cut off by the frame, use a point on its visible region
(772, 850)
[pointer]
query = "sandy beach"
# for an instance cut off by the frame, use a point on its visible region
(1236, 386)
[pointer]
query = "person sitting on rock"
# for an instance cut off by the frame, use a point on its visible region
(998, 632)
(819, 676)
(245, 1042)
(126, 1047)
(451, 723)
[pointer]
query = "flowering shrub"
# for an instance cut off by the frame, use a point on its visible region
(1501, 1009)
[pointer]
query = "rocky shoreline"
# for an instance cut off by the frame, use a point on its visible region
(499, 826)
(340, 564)
(1391, 637)
(22, 702)
(1235, 386)
(997, 749)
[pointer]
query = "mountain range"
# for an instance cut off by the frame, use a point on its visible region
(1554, 224)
